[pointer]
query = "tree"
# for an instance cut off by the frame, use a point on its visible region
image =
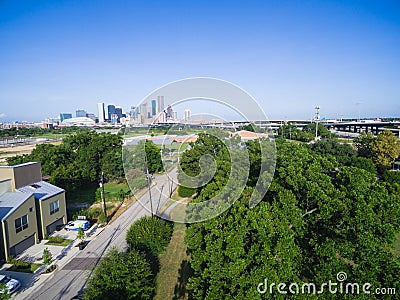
(153, 156)
(81, 235)
(150, 235)
(121, 276)
(79, 160)
(322, 130)
(343, 153)
(4, 295)
(386, 149)
(318, 218)
(363, 144)
(47, 257)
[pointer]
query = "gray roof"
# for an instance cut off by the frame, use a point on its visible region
(41, 189)
(9, 202)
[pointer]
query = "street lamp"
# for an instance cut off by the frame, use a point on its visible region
(316, 121)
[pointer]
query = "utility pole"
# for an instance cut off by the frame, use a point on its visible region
(148, 177)
(169, 187)
(103, 196)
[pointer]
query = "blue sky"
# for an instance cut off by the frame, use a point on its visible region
(59, 56)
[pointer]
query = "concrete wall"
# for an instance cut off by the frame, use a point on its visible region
(7, 173)
(27, 174)
(5, 186)
(13, 237)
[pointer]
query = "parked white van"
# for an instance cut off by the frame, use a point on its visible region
(75, 225)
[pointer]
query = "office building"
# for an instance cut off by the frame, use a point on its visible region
(160, 104)
(111, 111)
(170, 112)
(118, 111)
(187, 114)
(81, 113)
(153, 107)
(143, 109)
(101, 112)
(92, 117)
(64, 116)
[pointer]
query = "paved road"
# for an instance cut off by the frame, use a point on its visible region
(71, 279)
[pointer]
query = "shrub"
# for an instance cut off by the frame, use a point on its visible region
(121, 276)
(149, 235)
(47, 257)
(81, 235)
(184, 191)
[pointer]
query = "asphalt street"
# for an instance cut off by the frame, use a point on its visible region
(72, 278)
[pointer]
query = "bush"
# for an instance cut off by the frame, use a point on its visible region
(184, 191)
(121, 276)
(18, 263)
(47, 257)
(149, 235)
(391, 176)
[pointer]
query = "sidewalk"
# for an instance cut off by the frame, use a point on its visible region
(61, 256)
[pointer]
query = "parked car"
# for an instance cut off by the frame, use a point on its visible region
(75, 225)
(11, 284)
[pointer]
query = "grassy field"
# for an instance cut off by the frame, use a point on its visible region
(114, 188)
(174, 268)
(87, 194)
(50, 136)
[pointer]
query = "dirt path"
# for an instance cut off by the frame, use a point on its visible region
(17, 150)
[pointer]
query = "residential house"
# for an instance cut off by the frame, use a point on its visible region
(30, 208)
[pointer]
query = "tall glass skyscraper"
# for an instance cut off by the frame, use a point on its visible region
(111, 111)
(153, 107)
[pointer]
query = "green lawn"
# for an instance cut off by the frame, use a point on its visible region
(28, 268)
(58, 242)
(115, 188)
(174, 268)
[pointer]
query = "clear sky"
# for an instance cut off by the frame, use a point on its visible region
(59, 56)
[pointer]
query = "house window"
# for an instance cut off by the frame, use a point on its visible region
(54, 207)
(21, 223)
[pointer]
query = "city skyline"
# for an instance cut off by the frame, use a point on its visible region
(290, 56)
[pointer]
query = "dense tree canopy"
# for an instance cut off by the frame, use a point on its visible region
(319, 217)
(383, 149)
(343, 153)
(79, 159)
